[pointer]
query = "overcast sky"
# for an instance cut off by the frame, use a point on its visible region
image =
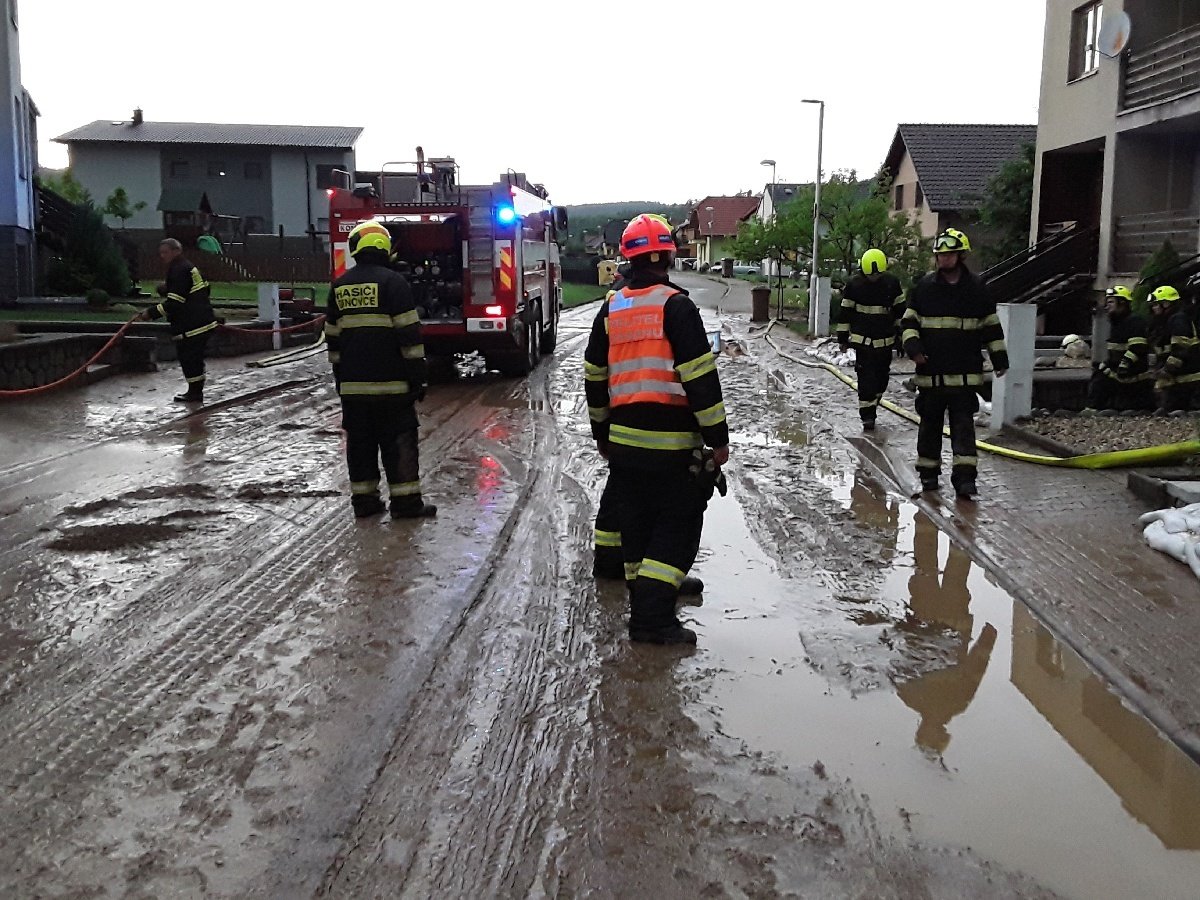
(670, 102)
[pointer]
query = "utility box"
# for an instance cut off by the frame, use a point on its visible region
(606, 272)
(268, 308)
(1012, 395)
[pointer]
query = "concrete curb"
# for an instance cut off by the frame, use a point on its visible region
(1040, 440)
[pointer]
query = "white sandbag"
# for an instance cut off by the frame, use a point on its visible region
(1175, 532)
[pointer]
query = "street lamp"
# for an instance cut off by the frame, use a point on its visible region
(812, 283)
(708, 237)
(778, 262)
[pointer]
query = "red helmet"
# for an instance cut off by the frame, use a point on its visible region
(646, 234)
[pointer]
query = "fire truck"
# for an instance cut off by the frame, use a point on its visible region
(483, 260)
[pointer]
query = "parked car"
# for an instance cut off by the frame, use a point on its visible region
(747, 270)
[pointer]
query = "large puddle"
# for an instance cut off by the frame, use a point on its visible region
(984, 732)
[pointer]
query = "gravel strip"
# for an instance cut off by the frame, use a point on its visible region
(1101, 434)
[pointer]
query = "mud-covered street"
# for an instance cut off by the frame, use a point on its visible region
(215, 682)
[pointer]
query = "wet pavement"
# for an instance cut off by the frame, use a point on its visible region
(217, 683)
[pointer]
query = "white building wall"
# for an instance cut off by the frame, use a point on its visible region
(101, 168)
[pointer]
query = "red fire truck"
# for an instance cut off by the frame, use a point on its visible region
(483, 260)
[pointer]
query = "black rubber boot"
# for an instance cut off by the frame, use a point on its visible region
(868, 424)
(366, 505)
(422, 510)
(929, 484)
(965, 490)
(670, 634)
(190, 397)
(690, 587)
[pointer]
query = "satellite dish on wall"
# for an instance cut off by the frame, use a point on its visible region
(1114, 34)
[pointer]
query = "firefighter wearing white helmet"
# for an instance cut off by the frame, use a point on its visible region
(868, 321)
(1180, 383)
(949, 323)
(1123, 379)
(374, 337)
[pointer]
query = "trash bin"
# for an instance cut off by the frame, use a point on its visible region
(727, 267)
(760, 303)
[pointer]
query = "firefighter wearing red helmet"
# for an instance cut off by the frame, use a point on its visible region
(374, 337)
(658, 417)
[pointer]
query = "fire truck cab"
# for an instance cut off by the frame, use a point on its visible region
(483, 260)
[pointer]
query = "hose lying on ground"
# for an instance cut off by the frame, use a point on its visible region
(120, 332)
(1145, 456)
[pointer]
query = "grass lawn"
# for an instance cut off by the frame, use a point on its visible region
(245, 292)
(579, 294)
(51, 315)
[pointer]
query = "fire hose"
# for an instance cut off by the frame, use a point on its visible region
(120, 332)
(1144, 456)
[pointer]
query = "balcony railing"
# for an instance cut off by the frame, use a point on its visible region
(1137, 236)
(1162, 71)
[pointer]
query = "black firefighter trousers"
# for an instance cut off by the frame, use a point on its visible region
(661, 516)
(933, 405)
(871, 368)
(382, 428)
(607, 561)
(191, 360)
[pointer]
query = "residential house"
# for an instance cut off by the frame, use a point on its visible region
(1119, 138)
(940, 172)
(265, 177)
(713, 223)
(18, 163)
(774, 196)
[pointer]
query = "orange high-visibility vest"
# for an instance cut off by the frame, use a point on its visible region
(641, 363)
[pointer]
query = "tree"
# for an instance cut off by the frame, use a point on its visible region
(90, 258)
(1008, 207)
(68, 188)
(118, 206)
(1158, 270)
(855, 215)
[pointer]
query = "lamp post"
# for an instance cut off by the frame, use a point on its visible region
(778, 262)
(813, 278)
(708, 237)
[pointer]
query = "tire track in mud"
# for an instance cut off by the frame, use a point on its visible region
(433, 826)
(54, 750)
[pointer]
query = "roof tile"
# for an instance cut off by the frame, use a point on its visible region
(103, 131)
(955, 162)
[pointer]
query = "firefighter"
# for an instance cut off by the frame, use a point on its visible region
(869, 320)
(1123, 379)
(1180, 384)
(374, 338)
(185, 304)
(654, 399)
(949, 322)
(1158, 329)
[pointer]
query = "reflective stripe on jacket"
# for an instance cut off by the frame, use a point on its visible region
(641, 361)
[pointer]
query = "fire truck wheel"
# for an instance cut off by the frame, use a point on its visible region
(521, 362)
(550, 336)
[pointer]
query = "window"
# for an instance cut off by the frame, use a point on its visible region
(899, 197)
(216, 169)
(253, 171)
(920, 199)
(179, 168)
(1085, 34)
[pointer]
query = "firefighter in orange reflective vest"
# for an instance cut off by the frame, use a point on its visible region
(374, 337)
(658, 417)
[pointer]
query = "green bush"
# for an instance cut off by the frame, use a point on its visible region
(97, 298)
(1164, 260)
(89, 259)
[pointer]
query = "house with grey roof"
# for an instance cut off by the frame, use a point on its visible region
(18, 163)
(261, 177)
(940, 172)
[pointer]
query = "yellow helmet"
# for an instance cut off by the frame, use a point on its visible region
(1164, 294)
(369, 235)
(951, 241)
(1121, 292)
(874, 262)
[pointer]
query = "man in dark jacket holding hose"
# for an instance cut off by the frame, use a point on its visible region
(186, 307)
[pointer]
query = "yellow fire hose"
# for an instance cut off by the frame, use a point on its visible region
(1144, 456)
(289, 356)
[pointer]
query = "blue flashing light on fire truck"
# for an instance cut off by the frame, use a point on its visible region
(483, 260)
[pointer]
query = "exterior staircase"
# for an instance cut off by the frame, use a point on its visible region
(1054, 269)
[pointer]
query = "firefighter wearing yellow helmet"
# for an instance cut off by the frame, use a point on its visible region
(1180, 382)
(1123, 379)
(949, 323)
(374, 337)
(868, 321)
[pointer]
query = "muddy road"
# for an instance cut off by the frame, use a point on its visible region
(216, 683)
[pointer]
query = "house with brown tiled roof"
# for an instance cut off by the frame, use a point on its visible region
(713, 223)
(940, 172)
